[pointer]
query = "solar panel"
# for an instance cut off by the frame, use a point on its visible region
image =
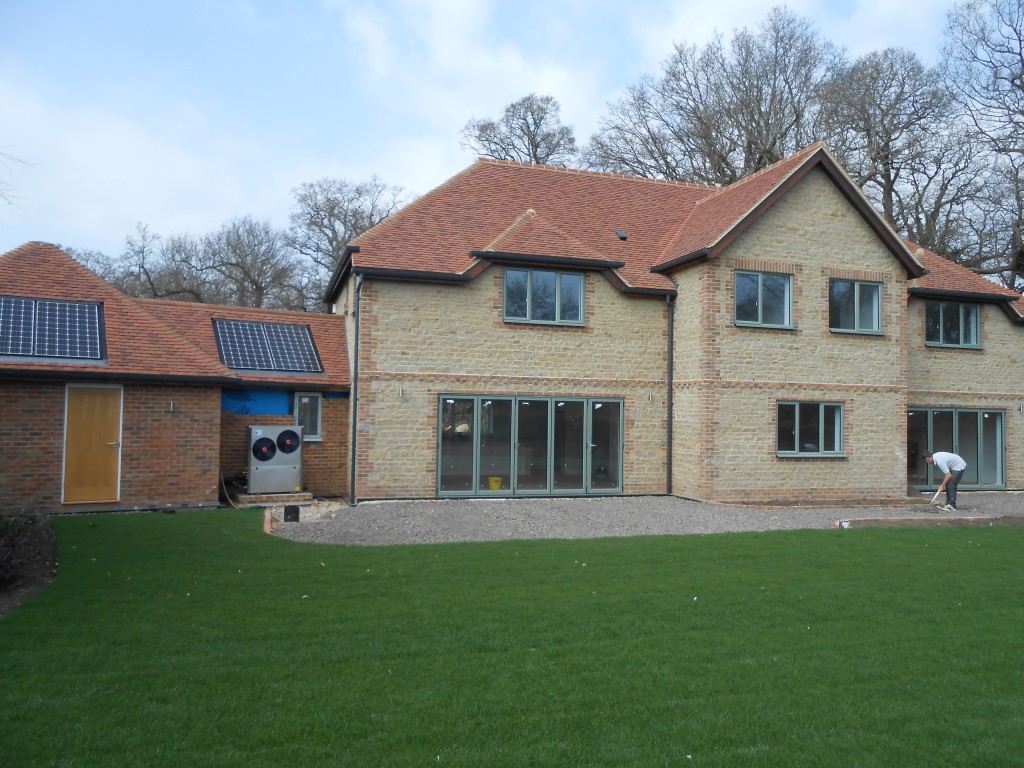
(16, 323)
(48, 328)
(292, 347)
(67, 329)
(266, 346)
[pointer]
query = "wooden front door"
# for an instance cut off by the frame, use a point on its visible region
(92, 444)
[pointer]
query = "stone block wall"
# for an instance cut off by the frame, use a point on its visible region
(739, 373)
(421, 341)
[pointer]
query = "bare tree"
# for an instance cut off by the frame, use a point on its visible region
(530, 131)
(719, 113)
(985, 59)
(327, 215)
(250, 258)
(6, 188)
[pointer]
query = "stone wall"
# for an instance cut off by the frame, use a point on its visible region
(730, 384)
(419, 341)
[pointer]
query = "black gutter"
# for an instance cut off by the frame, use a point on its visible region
(690, 257)
(670, 300)
(337, 278)
(506, 257)
(354, 397)
(963, 295)
(411, 274)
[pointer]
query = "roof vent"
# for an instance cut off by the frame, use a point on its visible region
(620, 233)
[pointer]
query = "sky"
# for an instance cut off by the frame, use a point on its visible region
(185, 114)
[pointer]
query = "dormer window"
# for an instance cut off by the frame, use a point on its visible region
(952, 324)
(543, 296)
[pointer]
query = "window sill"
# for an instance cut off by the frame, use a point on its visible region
(779, 455)
(937, 345)
(849, 332)
(763, 327)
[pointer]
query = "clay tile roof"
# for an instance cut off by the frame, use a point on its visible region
(137, 344)
(532, 235)
(158, 340)
(195, 323)
(952, 279)
(576, 215)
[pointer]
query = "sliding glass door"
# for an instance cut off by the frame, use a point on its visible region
(974, 434)
(529, 445)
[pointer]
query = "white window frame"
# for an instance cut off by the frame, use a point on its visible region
(309, 435)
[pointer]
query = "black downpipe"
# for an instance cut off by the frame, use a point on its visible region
(671, 381)
(355, 396)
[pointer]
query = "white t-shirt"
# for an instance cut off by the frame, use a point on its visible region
(947, 462)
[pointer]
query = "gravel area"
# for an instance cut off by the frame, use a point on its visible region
(450, 520)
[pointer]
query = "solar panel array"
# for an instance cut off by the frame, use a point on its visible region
(266, 346)
(48, 328)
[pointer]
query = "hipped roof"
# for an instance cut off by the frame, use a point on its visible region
(154, 340)
(637, 230)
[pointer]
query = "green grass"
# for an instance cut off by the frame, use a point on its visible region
(194, 639)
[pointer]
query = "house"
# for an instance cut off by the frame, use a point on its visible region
(109, 402)
(526, 330)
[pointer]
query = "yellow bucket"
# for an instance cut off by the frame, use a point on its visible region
(494, 483)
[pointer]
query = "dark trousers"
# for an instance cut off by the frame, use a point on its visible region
(954, 480)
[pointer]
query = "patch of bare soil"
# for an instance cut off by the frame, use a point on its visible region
(28, 558)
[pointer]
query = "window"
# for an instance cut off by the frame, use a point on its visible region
(855, 306)
(764, 299)
(538, 296)
(951, 324)
(809, 429)
(50, 328)
(308, 410)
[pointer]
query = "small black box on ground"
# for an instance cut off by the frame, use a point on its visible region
(291, 513)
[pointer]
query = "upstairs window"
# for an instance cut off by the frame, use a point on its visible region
(855, 306)
(70, 330)
(764, 299)
(952, 324)
(542, 296)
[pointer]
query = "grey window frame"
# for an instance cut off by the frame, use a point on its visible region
(558, 319)
(759, 323)
(857, 321)
(821, 405)
(961, 306)
(309, 435)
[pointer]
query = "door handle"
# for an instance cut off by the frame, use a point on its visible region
(114, 445)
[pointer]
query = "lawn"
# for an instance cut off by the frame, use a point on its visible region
(195, 639)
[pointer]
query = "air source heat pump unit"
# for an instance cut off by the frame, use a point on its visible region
(275, 459)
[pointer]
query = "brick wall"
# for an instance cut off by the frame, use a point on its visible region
(325, 464)
(168, 458)
(419, 341)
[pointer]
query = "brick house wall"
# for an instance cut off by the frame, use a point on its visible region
(325, 464)
(419, 341)
(168, 457)
(730, 378)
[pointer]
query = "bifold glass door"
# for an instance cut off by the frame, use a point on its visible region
(529, 445)
(975, 435)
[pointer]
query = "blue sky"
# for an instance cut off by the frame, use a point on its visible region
(184, 114)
